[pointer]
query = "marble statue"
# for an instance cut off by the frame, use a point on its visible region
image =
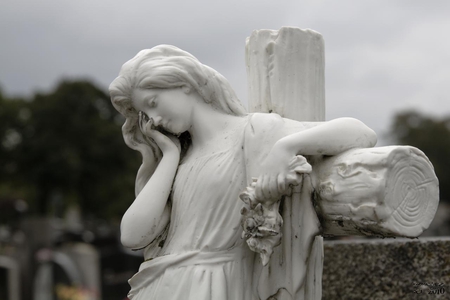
(219, 189)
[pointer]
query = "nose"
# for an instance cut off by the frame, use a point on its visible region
(157, 120)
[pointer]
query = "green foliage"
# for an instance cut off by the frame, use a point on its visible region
(432, 136)
(66, 147)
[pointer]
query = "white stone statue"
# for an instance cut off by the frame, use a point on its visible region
(203, 154)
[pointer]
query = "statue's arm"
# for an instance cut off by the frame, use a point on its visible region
(329, 138)
(280, 165)
(149, 214)
(283, 164)
(143, 175)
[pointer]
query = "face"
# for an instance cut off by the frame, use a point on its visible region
(170, 109)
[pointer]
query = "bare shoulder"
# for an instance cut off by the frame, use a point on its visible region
(261, 122)
(262, 132)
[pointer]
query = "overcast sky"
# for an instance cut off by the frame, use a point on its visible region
(381, 56)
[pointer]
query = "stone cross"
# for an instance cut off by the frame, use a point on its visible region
(384, 191)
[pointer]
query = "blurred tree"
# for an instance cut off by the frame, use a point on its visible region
(64, 148)
(432, 136)
(11, 128)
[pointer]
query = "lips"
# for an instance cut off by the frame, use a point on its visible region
(165, 126)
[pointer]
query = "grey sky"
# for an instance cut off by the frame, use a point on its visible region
(381, 56)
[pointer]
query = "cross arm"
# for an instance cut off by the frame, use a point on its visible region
(383, 191)
(329, 138)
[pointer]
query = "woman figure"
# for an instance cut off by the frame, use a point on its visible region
(200, 150)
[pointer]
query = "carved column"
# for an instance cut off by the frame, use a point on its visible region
(285, 71)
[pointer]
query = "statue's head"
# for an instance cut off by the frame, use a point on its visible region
(168, 67)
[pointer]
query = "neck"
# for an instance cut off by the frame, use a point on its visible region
(209, 124)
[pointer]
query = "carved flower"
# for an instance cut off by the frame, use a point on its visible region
(262, 228)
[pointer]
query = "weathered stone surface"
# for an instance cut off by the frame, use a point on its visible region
(387, 269)
(286, 73)
(384, 191)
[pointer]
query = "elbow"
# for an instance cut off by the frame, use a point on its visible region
(130, 244)
(371, 138)
(126, 241)
(135, 234)
(366, 137)
(131, 241)
(130, 235)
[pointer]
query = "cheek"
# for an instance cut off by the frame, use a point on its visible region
(181, 125)
(178, 116)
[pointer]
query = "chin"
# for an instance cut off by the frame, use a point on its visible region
(177, 130)
(174, 131)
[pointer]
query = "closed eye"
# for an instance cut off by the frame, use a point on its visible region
(152, 102)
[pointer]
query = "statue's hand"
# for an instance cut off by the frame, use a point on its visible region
(167, 142)
(280, 171)
(261, 220)
(270, 187)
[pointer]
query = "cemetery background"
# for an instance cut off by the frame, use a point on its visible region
(59, 133)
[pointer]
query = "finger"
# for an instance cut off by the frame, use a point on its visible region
(273, 187)
(258, 188)
(163, 141)
(144, 123)
(302, 165)
(266, 187)
(288, 191)
(294, 178)
(145, 118)
(140, 123)
(158, 137)
(281, 184)
(148, 127)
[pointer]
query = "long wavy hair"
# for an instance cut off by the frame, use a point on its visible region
(165, 67)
